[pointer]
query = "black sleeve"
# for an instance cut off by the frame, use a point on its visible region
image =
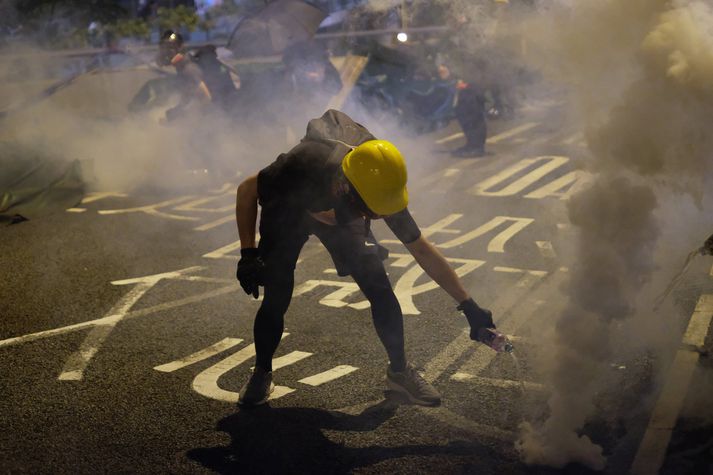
(403, 226)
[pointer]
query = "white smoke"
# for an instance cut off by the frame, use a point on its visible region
(640, 73)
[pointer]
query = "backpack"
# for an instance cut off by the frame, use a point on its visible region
(339, 130)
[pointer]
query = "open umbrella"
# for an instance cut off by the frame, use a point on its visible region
(270, 31)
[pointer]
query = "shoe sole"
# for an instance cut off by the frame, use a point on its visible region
(401, 390)
(261, 401)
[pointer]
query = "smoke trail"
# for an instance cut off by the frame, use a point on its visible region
(640, 72)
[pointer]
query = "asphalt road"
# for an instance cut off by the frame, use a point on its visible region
(124, 337)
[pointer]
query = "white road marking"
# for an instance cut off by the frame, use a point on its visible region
(495, 138)
(497, 244)
(700, 322)
(485, 187)
(512, 132)
(450, 138)
(451, 172)
(563, 187)
(329, 375)
(289, 359)
(205, 353)
(206, 382)
(100, 195)
(546, 249)
(77, 362)
(214, 224)
(334, 299)
(528, 279)
(440, 226)
(108, 320)
(153, 210)
(76, 210)
(195, 205)
(200, 278)
(498, 383)
(406, 288)
(226, 251)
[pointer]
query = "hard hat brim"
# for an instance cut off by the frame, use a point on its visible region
(390, 204)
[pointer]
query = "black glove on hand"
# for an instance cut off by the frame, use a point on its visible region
(707, 248)
(249, 271)
(477, 317)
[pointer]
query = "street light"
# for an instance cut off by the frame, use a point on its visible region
(402, 37)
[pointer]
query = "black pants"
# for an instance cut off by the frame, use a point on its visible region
(356, 253)
(470, 112)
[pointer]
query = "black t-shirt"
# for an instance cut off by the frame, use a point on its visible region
(301, 179)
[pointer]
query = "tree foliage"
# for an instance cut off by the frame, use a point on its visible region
(179, 18)
(88, 10)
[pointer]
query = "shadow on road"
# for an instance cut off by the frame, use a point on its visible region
(291, 440)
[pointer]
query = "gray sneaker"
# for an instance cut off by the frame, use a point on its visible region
(413, 386)
(258, 388)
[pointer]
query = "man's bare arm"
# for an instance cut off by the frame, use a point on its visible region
(246, 211)
(436, 266)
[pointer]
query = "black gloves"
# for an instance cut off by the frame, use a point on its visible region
(249, 271)
(477, 317)
(707, 248)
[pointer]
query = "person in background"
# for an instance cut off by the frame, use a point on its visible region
(470, 112)
(203, 78)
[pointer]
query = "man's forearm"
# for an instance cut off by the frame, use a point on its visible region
(438, 268)
(246, 211)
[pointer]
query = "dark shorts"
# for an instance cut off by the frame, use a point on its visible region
(350, 245)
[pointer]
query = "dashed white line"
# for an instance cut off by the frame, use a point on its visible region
(221, 346)
(289, 359)
(329, 375)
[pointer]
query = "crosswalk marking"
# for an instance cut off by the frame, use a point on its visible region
(540, 167)
(329, 375)
(205, 353)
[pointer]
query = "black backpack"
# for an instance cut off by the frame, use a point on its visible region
(339, 130)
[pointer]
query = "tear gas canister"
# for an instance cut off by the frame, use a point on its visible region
(495, 340)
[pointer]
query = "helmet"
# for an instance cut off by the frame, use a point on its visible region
(377, 172)
(169, 46)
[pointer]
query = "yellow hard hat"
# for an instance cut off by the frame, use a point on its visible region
(377, 171)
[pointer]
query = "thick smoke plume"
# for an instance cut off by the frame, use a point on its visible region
(640, 75)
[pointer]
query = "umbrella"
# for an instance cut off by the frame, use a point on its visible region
(274, 28)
